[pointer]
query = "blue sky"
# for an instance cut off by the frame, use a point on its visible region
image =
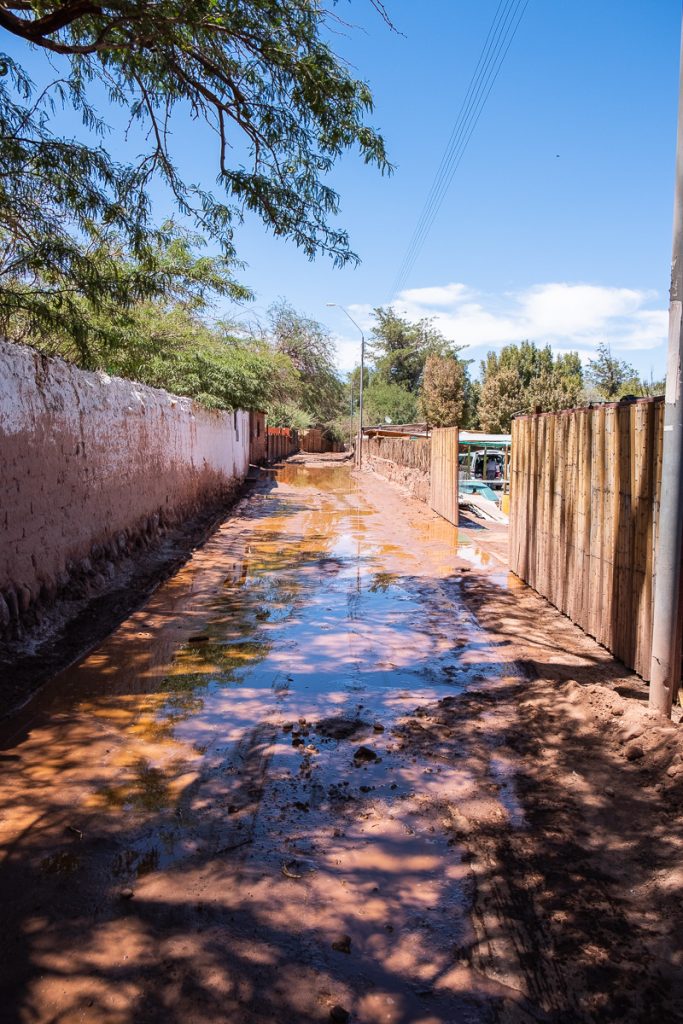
(557, 226)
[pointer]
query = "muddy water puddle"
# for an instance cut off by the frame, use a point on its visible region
(210, 818)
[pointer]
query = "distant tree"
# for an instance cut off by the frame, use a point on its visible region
(400, 348)
(530, 377)
(653, 387)
(309, 346)
(557, 387)
(443, 392)
(286, 414)
(610, 376)
(384, 399)
(526, 358)
(502, 395)
(472, 398)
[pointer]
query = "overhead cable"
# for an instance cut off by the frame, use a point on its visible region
(501, 34)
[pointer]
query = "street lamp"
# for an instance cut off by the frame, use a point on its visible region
(359, 442)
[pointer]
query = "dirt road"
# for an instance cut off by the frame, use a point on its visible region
(337, 768)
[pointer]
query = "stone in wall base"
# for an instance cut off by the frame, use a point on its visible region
(410, 481)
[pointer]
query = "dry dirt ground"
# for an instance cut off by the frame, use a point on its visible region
(341, 766)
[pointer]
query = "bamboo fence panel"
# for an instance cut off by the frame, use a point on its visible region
(414, 454)
(443, 486)
(584, 508)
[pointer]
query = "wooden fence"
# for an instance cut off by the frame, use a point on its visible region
(404, 461)
(312, 440)
(317, 441)
(403, 451)
(584, 503)
(443, 482)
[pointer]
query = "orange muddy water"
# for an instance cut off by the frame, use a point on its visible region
(209, 818)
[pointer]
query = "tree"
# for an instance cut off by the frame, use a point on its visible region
(282, 106)
(399, 348)
(442, 398)
(87, 329)
(310, 348)
(552, 391)
(221, 372)
(611, 377)
(472, 398)
(502, 395)
(384, 400)
(530, 377)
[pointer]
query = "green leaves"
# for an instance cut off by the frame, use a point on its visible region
(400, 348)
(307, 344)
(83, 299)
(257, 72)
(523, 377)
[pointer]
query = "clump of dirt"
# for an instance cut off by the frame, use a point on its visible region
(364, 755)
(340, 728)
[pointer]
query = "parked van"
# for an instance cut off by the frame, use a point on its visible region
(483, 465)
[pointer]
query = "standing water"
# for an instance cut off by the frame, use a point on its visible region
(213, 816)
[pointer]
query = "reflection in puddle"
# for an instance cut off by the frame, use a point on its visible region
(475, 555)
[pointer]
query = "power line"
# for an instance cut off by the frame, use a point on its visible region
(482, 64)
(503, 29)
(462, 133)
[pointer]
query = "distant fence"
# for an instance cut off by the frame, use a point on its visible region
(402, 460)
(281, 442)
(313, 440)
(317, 441)
(584, 506)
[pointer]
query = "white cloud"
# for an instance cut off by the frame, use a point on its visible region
(445, 295)
(569, 317)
(348, 351)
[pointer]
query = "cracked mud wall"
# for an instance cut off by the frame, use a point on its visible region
(92, 466)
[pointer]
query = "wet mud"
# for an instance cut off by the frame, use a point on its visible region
(295, 786)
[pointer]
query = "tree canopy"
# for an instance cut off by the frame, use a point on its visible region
(385, 400)
(610, 376)
(400, 348)
(523, 377)
(443, 395)
(259, 73)
(309, 347)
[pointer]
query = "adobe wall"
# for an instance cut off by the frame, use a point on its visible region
(92, 467)
(258, 440)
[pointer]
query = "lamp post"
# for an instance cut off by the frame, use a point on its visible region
(351, 412)
(359, 442)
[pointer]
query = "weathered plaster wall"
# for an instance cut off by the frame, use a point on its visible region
(90, 467)
(402, 462)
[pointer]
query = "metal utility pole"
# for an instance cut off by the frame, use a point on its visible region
(665, 667)
(359, 442)
(351, 416)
